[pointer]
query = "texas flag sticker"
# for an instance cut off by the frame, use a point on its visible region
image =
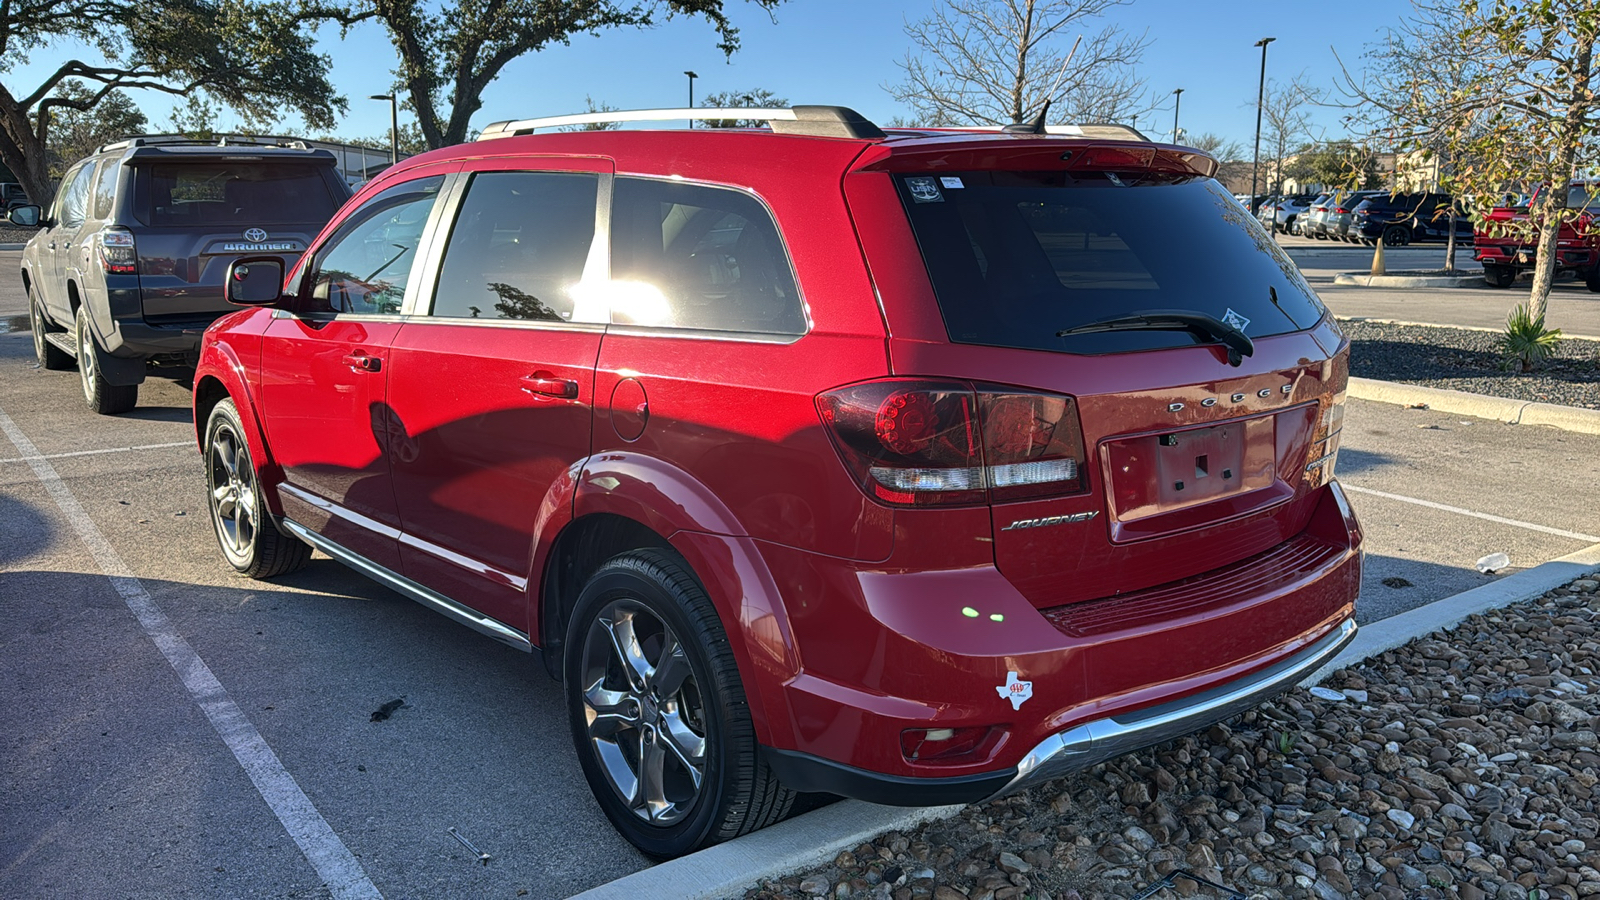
(1016, 691)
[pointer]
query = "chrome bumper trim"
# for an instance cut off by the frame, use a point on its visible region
(1094, 742)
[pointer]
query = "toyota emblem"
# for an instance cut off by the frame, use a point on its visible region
(255, 235)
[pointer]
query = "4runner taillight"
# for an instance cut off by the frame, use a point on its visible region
(118, 255)
(1325, 443)
(914, 442)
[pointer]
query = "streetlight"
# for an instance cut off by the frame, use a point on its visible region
(1177, 96)
(1261, 95)
(394, 125)
(692, 77)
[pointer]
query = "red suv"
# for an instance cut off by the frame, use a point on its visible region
(916, 466)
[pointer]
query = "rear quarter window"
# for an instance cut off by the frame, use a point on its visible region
(1016, 257)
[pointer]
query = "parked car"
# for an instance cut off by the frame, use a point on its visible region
(1340, 216)
(1505, 253)
(1281, 213)
(126, 269)
(1312, 221)
(1402, 219)
(12, 195)
(918, 466)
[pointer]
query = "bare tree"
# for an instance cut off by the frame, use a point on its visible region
(1234, 169)
(1286, 122)
(990, 62)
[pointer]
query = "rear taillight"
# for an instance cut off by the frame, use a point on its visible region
(947, 443)
(1325, 443)
(1340, 211)
(118, 255)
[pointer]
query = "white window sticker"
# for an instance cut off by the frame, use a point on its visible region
(952, 182)
(1234, 319)
(924, 190)
(1016, 691)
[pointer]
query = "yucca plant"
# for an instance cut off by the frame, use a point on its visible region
(1526, 341)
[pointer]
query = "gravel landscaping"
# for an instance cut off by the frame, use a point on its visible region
(12, 234)
(1461, 360)
(1463, 765)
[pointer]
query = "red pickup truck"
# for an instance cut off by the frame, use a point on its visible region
(1504, 254)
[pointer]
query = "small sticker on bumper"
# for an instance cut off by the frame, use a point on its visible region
(1014, 690)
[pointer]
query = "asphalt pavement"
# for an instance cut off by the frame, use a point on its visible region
(126, 772)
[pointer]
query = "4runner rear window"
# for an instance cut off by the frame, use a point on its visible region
(1017, 256)
(241, 194)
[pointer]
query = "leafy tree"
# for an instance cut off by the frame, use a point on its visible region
(990, 62)
(590, 104)
(245, 53)
(758, 98)
(450, 54)
(196, 119)
(1337, 165)
(76, 133)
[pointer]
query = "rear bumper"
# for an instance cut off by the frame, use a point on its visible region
(1523, 257)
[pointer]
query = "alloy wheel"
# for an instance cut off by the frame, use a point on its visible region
(233, 492)
(36, 322)
(86, 369)
(644, 713)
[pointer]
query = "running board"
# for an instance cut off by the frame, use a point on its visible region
(400, 584)
(63, 340)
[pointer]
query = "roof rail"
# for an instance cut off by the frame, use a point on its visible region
(820, 121)
(1086, 129)
(221, 140)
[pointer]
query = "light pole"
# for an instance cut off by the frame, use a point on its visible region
(394, 126)
(692, 77)
(1177, 95)
(1261, 95)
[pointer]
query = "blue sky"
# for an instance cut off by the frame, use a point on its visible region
(844, 51)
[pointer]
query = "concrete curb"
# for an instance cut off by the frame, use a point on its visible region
(1403, 280)
(1461, 403)
(1398, 630)
(727, 870)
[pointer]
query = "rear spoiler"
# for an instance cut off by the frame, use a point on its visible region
(231, 153)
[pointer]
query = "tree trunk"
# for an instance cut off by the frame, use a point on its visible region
(23, 151)
(1544, 268)
(1450, 243)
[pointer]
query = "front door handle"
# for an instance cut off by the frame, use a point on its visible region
(363, 362)
(550, 386)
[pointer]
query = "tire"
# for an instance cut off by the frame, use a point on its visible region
(250, 539)
(1395, 236)
(105, 399)
(1498, 276)
(685, 724)
(49, 355)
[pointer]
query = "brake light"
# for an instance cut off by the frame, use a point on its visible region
(118, 256)
(1340, 211)
(911, 442)
(1324, 451)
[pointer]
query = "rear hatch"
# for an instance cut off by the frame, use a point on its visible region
(1186, 458)
(198, 214)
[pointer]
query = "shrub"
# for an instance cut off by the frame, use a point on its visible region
(1526, 341)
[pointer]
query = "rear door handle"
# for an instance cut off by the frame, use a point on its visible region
(550, 386)
(363, 362)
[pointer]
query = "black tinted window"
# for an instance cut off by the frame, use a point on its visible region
(689, 256)
(364, 267)
(237, 194)
(1016, 257)
(518, 247)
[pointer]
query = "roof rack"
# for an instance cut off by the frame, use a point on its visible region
(221, 140)
(819, 121)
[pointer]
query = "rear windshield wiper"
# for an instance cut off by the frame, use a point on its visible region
(1212, 329)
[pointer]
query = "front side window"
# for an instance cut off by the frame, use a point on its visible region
(364, 267)
(689, 256)
(519, 247)
(1016, 257)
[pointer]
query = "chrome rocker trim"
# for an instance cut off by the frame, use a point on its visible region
(404, 586)
(1094, 742)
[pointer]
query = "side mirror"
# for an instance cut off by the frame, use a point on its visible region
(26, 216)
(255, 281)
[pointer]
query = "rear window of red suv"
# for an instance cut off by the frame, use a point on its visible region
(240, 194)
(1017, 256)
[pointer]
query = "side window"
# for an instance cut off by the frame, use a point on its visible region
(519, 247)
(363, 267)
(688, 256)
(105, 188)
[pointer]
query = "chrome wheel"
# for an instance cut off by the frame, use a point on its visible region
(644, 713)
(86, 369)
(36, 322)
(233, 494)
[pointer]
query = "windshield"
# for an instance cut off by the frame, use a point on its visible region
(237, 194)
(1017, 256)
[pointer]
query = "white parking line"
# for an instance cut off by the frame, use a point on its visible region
(1559, 532)
(37, 456)
(334, 863)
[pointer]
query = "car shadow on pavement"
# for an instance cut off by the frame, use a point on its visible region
(160, 414)
(1357, 461)
(24, 530)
